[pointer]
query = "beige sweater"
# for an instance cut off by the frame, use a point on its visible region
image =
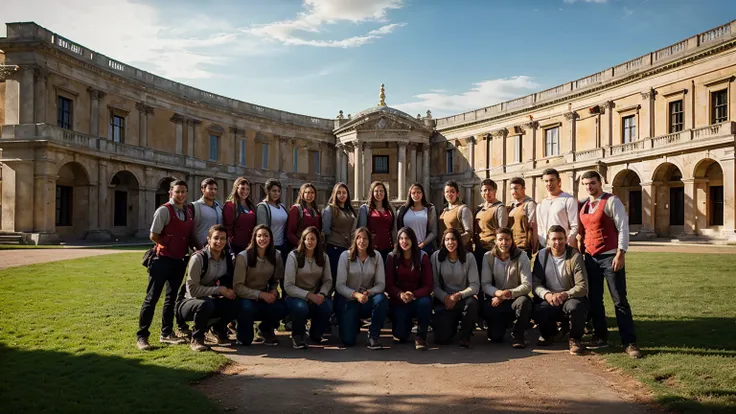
(309, 279)
(248, 282)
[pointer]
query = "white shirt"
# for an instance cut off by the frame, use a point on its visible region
(417, 221)
(554, 282)
(278, 224)
(561, 210)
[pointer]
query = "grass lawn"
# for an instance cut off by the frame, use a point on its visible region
(685, 319)
(67, 333)
(56, 246)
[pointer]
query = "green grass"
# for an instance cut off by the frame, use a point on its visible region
(56, 246)
(685, 318)
(67, 342)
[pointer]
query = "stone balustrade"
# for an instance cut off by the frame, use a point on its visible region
(591, 154)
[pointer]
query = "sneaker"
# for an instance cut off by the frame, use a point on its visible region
(518, 343)
(287, 326)
(465, 343)
(318, 339)
(184, 333)
(597, 343)
(588, 328)
(374, 343)
(171, 340)
(197, 345)
(542, 341)
(633, 351)
(415, 329)
(142, 344)
(420, 344)
(297, 341)
(269, 338)
(576, 348)
(216, 338)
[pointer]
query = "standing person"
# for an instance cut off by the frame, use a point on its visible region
(455, 286)
(207, 211)
(360, 284)
(173, 232)
(209, 290)
(560, 286)
(338, 224)
(457, 215)
(490, 215)
(378, 216)
(304, 213)
(272, 213)
(558, 208)
(239, 216)
(258, 270)
(523, 218)
(506, 279)
(604, 228)
(308, 281)
(419, 215)
(409, 284)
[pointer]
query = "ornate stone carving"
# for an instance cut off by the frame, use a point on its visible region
(470, 140)
(650, 94)
(6, 71)
(192, 121)
(216, 128)
(237, 131)
(500, 133)
(518, 130)
(143, 108)
(96, 93)
(177, 119)
(382, 96)
(339, 115)
(429, 114)
(571, 115)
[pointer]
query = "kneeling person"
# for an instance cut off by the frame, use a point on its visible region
(209, 294)
(307, 281)
(258, 270)
(506, 280)
(561, 285)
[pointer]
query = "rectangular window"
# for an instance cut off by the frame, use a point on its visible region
(635, 207)
(517, 148)
(295, 158)
(264, 156)
(719, 103)
(214, 147)
(716, 205)
(64, 197)
(64, 118)
(450, 160)
(380, 164)
(628, 129)
(677, 116)
(242, 152)
(552, 142)
(120, 216)
(117, 128)
(315, 162)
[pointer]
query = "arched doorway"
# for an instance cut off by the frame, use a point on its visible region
(72, 201)
(708, 176)
(627, 187)
(125, 195)
(162, 191)
(670, 209)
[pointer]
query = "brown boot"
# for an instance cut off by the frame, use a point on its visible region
(576, 348)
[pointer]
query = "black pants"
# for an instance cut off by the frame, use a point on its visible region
(600, 267)
(574, 311)
(479, 253)
(445, 320)
(168, 273)
(203, 310)
(519, 310)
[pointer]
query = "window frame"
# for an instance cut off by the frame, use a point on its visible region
(554, 144)
(630, 129)
(121, 128)
(716, 108)
(295, 158)
(214, 138)
(60, 99)
(264, 155)
(450, 160)
(315, 156)
(672, 125)
(64, 211)
(517, 148)
(375, 164)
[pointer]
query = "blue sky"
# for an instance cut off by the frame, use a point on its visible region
(316, 57)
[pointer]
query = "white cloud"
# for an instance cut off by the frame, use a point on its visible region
(321, 12)
(587, 1)
(482, 94)
(132, 32)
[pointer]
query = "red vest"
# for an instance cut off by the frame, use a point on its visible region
(600, 230)
(176, 234)
(239, 226)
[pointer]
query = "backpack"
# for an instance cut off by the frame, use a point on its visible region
(226, 280)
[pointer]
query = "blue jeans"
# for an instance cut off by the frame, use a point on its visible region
(300, 310)
(351, 311)
(402, 317)
(250, 310)
(333, 253)
(600, 270)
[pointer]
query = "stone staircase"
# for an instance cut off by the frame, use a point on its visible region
(10, 238)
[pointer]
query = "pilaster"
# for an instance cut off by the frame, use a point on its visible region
(95, 95)
(143, 112)
(402, 170)
(178, 121)
(367, 167)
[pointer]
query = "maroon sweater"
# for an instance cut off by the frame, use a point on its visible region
(403, 278)
(294, 227)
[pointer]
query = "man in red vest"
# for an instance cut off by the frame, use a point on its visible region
(604, 229)
(172, 231)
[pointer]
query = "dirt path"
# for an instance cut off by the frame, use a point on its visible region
(485, 378)
(681, 248)
(22, 257)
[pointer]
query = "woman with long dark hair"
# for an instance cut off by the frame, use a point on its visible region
(239, 216)
(409, 285)
(419, 215)
(360, 284)
(273, 214)
(258, 270)
(302, 214)
(456, 215)
(455, 284)
(378, 216)
(308, 281)
(338, 224)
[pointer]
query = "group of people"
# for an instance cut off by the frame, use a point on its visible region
(450, 272)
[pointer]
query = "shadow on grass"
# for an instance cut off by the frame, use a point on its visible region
(51, 381)
(705, 336)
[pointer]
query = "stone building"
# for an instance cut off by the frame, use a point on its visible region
(89, 145)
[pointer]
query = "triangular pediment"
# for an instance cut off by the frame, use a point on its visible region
(382, 120)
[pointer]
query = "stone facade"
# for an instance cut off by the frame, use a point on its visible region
(89, 144)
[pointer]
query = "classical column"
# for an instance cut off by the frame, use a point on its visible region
(412, 164)
(426, 155)
(178, 121)
(691, 207)
(572, 117)
(357, 178)
(142, 230)
(729, 198)
(488, 138)
(95, 95)
(234, 132)
(192, 136)
(41, 76)
(647, 122)
(606, 124)
(283, 142)
(367, 167)
(43, 196)
(103, 209)
(531, 128)
(143, 112)
(471, 152)
(339, 161)
(10, 76)
(402, 170)
(27, 94)
(468, 199)
(649, 208)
